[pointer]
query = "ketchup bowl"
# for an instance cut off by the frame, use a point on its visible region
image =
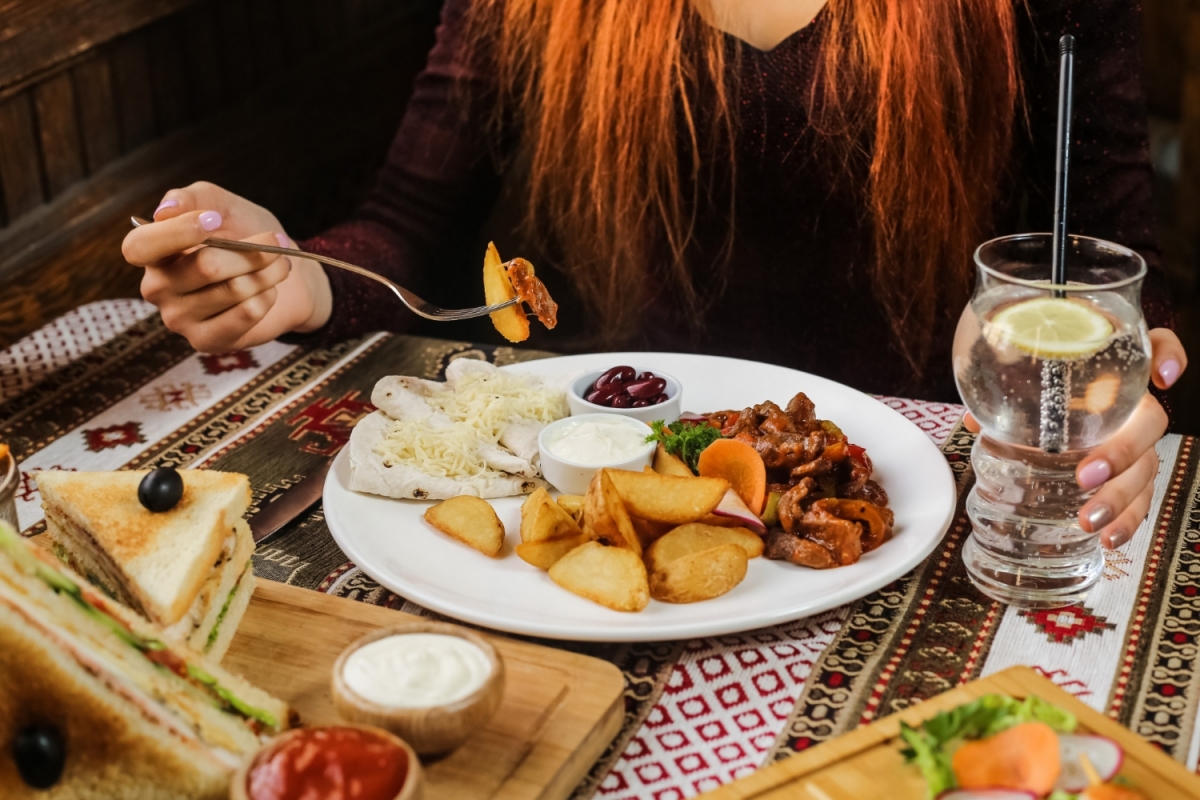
(570, 471)
(666, 404)
(321, 761)
(453, 686)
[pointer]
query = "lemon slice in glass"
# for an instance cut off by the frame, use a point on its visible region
(1050, 327)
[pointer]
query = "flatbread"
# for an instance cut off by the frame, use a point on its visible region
(515, 457)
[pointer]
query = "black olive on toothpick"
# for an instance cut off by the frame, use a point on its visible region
(161, 489)
(40, 756)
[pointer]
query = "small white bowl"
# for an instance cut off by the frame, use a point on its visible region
(572, 478)
(668, 410)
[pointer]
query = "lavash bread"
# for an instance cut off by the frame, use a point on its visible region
(160, 564)
(191, 750)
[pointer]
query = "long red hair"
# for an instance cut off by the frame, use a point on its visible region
(604, 91)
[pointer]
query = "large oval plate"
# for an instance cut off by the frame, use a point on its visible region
(391, 542)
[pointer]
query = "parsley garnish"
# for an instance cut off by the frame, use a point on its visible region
(686, 440)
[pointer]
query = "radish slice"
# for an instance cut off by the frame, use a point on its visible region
(732, 506)
(986, 794)
(689, 416)
(1105, 754)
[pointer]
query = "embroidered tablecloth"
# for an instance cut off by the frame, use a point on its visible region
(108, 387)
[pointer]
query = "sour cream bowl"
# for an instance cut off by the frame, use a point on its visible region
(432, 713)
(572, 449)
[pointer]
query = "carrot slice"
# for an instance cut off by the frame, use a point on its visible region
(741, 465)
(1024, 757)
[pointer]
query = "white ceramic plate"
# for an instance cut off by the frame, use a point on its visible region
(390, 541)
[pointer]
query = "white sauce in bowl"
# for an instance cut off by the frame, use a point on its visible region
(416, 670)
(597, 443)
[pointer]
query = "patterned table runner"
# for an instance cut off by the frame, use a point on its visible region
(107, 387)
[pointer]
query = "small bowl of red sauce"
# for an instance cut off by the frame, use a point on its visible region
(636, 392)
(348, 762)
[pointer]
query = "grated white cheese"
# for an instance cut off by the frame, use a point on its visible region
(480, 406)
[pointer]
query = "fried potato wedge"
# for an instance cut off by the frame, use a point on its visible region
(545, 554)
(605, 517)
(611, 576)
(667, 498)
(648, 532)
(572, 504)
(497, 288)
(694, 538)
(529, 510)
(700, 576)
(667, 464)
(549, 523)
(471, 520)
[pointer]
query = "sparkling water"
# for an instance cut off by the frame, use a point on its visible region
(1040, 417)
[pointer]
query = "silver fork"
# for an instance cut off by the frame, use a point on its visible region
(418, 306)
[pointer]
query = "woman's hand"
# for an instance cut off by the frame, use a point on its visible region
(1124, 467)
(224, 300)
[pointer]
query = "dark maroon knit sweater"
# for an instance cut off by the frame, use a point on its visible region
(795, 291)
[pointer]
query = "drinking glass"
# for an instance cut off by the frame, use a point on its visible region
(1050, 372)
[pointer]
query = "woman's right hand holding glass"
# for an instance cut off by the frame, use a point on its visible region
(223, 300)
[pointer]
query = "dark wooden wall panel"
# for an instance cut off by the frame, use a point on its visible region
(168, 74)
(58, 129)
(133, 91)
(19, 161)
(97, 111)
(36, 35)
(203, 57)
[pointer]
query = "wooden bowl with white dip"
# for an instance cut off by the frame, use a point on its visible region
(431, 683)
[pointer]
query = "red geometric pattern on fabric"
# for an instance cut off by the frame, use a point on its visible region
(228, 362)
(1067, 624)
(124, 435)
(29, 489)
(1063, 680)
(68, 338)
(329, 420)
(720, 711)
(936, 419)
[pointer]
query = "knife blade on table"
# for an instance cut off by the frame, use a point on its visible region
(288, 504)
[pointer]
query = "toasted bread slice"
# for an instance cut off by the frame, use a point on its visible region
(155, 563)
(140, 717)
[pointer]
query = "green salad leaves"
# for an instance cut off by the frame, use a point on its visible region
(931, 746)
(686, 440)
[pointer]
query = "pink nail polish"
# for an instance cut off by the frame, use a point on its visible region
(283, 240)
(1169, 371)
(210, 220)
(170, 203)
(1095, 474)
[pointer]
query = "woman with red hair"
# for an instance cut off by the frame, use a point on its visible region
(794, 181)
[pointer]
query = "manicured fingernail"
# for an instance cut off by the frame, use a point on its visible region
(283, 240)
(172, 203)
(1099, 516)
(1118, 538)
(1095, 474)
(1169, 371)
(210, 220)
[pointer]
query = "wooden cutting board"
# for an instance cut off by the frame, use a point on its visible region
(867, 762)
(560, 709)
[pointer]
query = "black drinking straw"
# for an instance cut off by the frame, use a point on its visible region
(1066, 89)
(1056, 373)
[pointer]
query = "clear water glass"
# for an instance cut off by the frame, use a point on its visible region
(1044, 401)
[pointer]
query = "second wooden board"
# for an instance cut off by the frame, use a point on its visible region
(559, 713)
(867, 762)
